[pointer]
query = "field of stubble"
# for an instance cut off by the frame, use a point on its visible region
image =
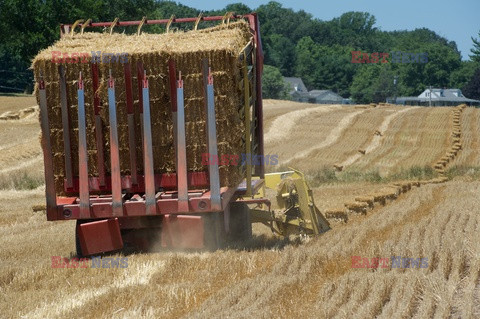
(272, 277)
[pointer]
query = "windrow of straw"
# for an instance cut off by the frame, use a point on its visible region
(220, 45)
(456, 140)
(363, 204)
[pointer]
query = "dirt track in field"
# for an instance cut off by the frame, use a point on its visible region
(274, 277)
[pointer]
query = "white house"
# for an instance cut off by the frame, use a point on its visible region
(437, 97)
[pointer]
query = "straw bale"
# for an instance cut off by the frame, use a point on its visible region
(220, 45)
(357, 207)
(366, 199)
(378, 198)
(337, 214)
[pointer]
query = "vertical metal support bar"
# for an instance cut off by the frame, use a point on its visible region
(131, 123)
(98, 127)
(140, 74)
(173, 101)
(66, 127)
(182, 184)
(117, 206)
(82, 153)
(150, 201)
(47, 154)
(178, 114)
(248, 146)
(255, 24)
(214, 175)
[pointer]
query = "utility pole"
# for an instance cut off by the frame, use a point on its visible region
(430, 96)
(395, 78)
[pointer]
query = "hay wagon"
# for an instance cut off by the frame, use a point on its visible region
(140, 152)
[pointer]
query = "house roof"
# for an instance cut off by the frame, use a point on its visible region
(317, 93)
(327, 95)
(295, 84)
(448, 96)
(435, 99)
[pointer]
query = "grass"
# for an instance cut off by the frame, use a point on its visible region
(326, 175)
(22, 180)
(463, 170)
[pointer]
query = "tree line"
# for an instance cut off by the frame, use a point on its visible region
(295, 44)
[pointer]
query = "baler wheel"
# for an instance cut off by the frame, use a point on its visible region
(240, 223)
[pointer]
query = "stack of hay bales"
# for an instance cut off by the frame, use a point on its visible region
(220, 45)
(456, 143)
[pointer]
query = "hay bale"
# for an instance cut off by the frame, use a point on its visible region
(10, 116)
(338, 167)
(336, 214)
(39, 208)
(442, 163)
(438, 180)
(456, 147)
(379, 198)
(220, 45)
(416, 183)
(404, 186)
(356, 207)
(391, 194)
(452, 154)
(366, 199)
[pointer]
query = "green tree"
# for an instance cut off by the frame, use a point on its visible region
(476, 49)
(373, 83)
(306, 52)
(280, 52)
(273, 85)
(462, 75)
(472, 89)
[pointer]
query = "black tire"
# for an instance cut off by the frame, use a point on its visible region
(214, 231)
(240, 224)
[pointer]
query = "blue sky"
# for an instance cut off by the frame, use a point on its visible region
(455, 20)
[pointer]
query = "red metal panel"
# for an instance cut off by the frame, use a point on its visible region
(100, 236)
(182, 231)
(196, 180)
(101, 206)
(66, 200)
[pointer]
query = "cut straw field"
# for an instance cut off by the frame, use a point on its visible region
(470, 126)
(273, 277)
(284, 281)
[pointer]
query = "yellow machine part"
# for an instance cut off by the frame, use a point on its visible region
(297, 211)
